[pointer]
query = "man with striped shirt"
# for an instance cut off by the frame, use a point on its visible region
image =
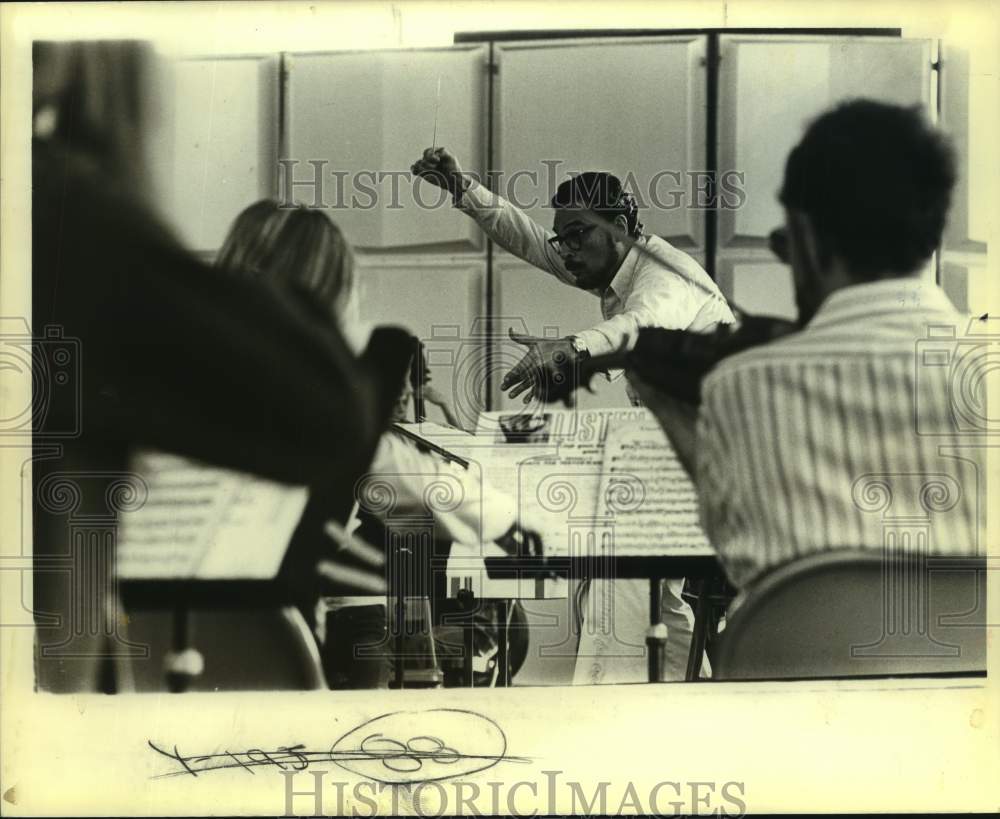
(823, 439)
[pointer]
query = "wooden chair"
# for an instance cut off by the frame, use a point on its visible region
(859, 614)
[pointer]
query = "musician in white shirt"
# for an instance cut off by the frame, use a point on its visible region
(409, 487)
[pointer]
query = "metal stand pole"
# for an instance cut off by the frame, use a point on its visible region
(656, 635)
(503, 646)
(467, 599)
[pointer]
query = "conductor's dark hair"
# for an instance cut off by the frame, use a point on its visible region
(876, 181)
(602, 193)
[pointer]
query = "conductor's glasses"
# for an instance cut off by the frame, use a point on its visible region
(572, 239)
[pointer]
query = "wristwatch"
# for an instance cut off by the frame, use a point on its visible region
(579, 346)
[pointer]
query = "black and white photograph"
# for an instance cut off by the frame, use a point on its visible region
(486, 408)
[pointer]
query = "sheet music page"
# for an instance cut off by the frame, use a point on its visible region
(646, 489)
(205, 523)
(552, 463)
(652, 507)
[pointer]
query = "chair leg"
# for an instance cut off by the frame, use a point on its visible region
(434, 676)
(417, 635)
(710, 602)
(699, 637)
(398, 632)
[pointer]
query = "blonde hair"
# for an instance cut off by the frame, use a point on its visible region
(293, 245)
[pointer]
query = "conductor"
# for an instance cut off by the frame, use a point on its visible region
(596, 244)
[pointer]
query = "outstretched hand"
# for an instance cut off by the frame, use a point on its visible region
(545, 369)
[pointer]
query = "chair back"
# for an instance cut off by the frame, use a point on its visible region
(859, 614)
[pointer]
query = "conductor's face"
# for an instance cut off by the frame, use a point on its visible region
(588, 251)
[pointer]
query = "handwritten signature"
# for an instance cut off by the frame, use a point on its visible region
(374, 749)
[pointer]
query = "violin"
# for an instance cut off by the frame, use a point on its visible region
(674, 361)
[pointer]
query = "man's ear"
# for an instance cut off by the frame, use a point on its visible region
(621, 223)
(809, 241)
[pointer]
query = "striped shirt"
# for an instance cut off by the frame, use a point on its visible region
(856, 432)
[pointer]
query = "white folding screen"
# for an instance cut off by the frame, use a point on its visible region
(214, 145)
(769, 90)
(364, 117)
(439, 302)
(633, 106)
(964, 249)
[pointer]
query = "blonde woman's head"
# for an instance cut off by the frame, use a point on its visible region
(295, 246)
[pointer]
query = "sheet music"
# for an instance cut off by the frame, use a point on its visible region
(651, 496)
(556, 474)
(653, 506)
(205, 523)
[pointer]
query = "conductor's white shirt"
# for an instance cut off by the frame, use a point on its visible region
(664, 288)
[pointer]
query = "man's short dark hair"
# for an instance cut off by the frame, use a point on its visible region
(602, 193)
(876, 181)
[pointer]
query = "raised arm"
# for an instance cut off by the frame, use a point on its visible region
(504, 223)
